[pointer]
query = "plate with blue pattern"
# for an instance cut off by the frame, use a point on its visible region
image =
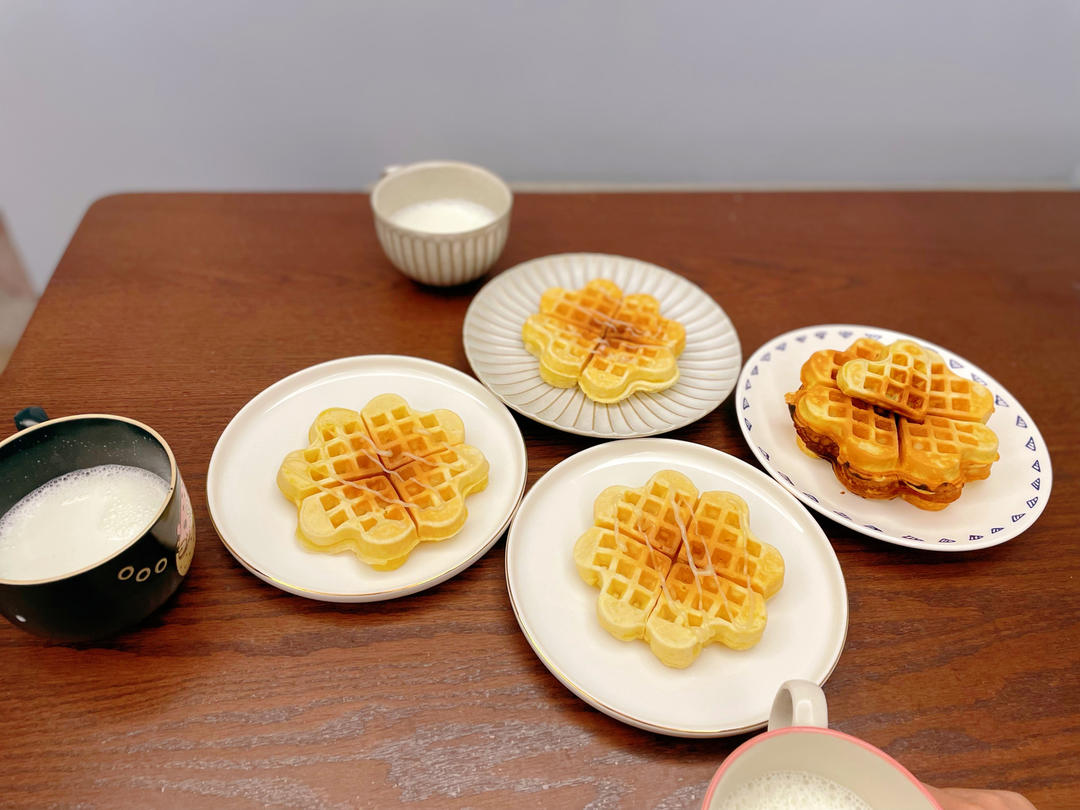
(987, 513)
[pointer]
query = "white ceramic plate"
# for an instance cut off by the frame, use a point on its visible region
(708, 366)
(988, 512)
(724, 691)
(258, 525)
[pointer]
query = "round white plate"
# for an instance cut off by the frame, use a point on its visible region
(708, 366)
(988, 512)
(724, 691)
(258, 524)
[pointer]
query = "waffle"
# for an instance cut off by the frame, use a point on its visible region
(610, 345)
(898, 380)
(940, 455)
(677, 568)
(876, 454)
(379, 481)
(823, 366)
(951, 395)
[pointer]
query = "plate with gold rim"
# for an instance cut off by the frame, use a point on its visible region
(258, 524)
(708, 365)
(724, 691)
(988, 512)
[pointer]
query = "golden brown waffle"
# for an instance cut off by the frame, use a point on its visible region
(898, 380)
(940, 455)
(379, 481)
(611, 346)
(951, 395)
(823, 366)
(876, 454)
(956, 397)
(677, 568)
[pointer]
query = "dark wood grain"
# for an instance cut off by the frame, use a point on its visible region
(176, 309)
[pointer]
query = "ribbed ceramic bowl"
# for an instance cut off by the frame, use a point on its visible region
(441, 259)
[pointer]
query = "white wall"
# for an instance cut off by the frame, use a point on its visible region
(99, 96)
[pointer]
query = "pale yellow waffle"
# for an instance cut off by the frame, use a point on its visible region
(638, 320)
(591, 308)
(611, 345)
(618, 368)
(401, 434)
(898, 380)
(435, 488)
(677, 568)
(379, 481)
(563, 348)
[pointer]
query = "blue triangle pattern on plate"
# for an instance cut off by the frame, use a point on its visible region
(845, 333)
(1036, 466)
(765, 358)
(781, 346)
(954, 363)
(821, 335)
(841, 514)
(748, 425)
(1032, 501)
(975, 537)
(764, 452)
(745, 403)
(874, 335)
(747, 386)
(1036, 483)
(872, 526)
(784, 476)
(801, 338)
(997, 529)
(1030, 443)
(753, 371)
(1020, 423)
(1017, 517)
(811, 497)
(978, 379)
(913, 537)
(999, 401)
(946, 540)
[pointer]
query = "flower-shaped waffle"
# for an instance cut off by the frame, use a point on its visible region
(379, 481)
(608, 344)
(678, 568)
(879, 452)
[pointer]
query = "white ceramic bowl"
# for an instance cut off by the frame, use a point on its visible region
(437, 258)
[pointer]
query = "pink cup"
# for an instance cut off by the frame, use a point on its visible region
(798, 739)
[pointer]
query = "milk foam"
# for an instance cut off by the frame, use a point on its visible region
(76, 520)
(792, 790)
(444, 216)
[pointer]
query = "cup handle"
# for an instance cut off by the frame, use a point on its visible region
(28, 417)
(799, 703)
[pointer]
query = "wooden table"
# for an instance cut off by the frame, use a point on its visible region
(176, 309)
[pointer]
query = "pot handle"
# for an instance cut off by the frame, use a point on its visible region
(28, 417)
(799, 703)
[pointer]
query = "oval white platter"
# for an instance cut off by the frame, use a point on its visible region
(708, 366)
(987, 513)
(724, 691)
(258, 524)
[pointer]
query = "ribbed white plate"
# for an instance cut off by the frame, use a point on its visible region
(708, 366)
(988, 512)
(724, 691)
(257, 523)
